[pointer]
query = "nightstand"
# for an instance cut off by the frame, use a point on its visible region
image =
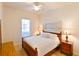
(66, 48)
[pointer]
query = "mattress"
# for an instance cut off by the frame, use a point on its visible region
(43, 45)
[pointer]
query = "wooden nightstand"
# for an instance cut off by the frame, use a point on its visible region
(66, 48)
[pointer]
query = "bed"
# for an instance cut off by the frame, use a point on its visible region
(42, 45)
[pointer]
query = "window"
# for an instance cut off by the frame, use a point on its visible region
(25, 27)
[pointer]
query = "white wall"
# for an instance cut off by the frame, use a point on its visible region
(11, 23)
(0, 10)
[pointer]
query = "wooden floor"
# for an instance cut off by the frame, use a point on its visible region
(8, 49)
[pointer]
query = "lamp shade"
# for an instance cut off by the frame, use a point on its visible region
(40, 28)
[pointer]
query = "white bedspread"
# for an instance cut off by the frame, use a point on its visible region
(43, 45)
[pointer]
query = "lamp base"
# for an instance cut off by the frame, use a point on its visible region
(66, 38)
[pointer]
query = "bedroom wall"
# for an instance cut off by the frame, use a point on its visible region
(69, 18)
(11, 23)
(0, 10)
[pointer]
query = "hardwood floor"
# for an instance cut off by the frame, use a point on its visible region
(8, 49)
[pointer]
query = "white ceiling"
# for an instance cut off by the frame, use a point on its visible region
(46, 6)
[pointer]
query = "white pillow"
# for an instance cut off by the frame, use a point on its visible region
(48, 35)
(52, 36)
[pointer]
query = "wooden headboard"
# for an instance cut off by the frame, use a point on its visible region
(59, 35)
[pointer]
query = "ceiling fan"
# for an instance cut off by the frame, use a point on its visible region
(37, 6)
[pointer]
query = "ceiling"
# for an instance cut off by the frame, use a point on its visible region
(46, 6)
